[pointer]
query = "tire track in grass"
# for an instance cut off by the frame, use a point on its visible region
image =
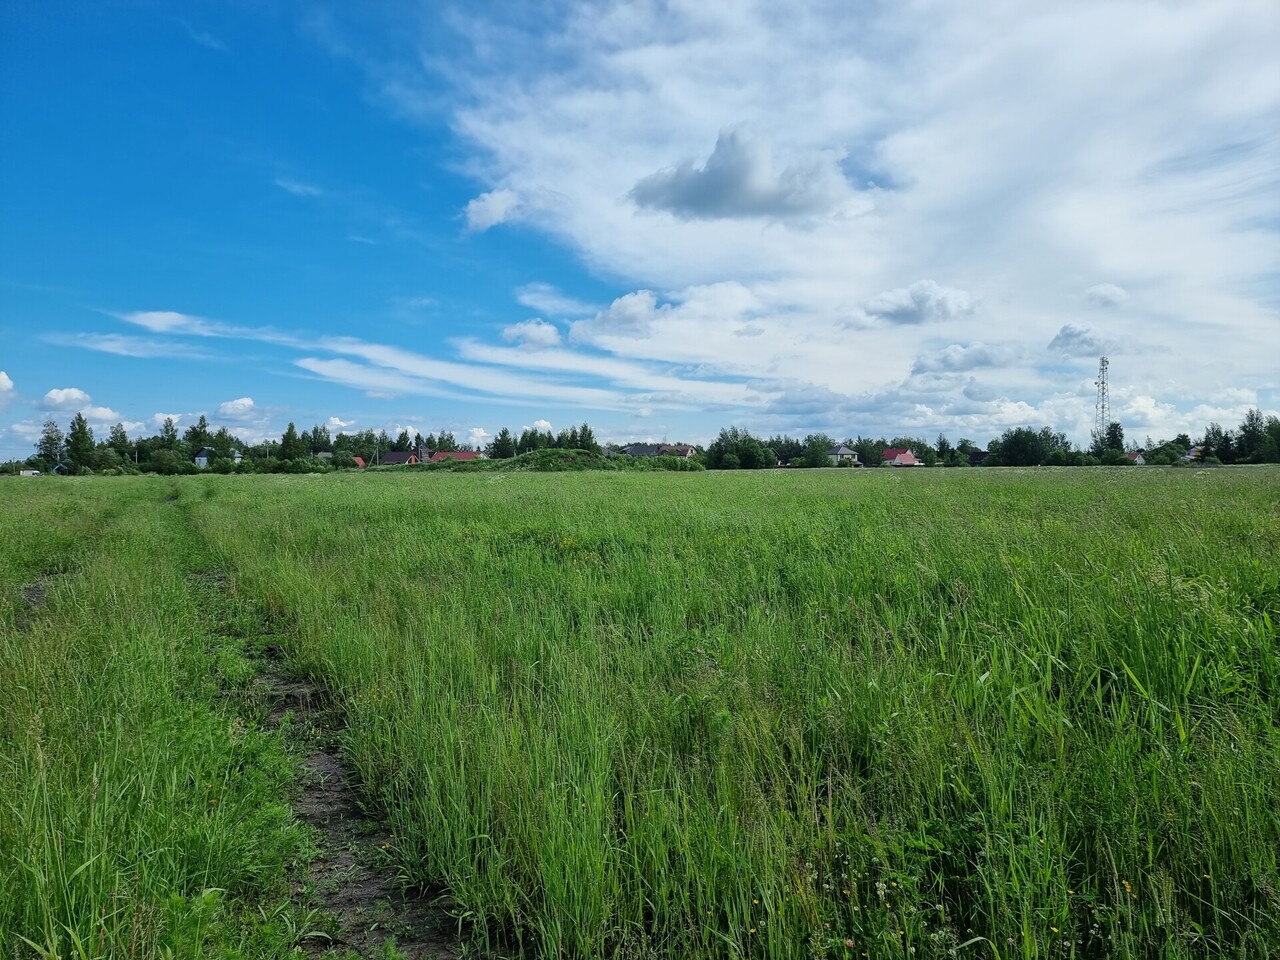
(352, 880)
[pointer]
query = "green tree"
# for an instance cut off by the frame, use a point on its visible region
(946, 452)
(291, 445)
(735, 448)
(1249, 437)
(503, 446)
(52, 445)
(1114, 439)
(197, 435)
(815, 454)
(587, 439)
(118, 440)
(786, 449)
(79, 444)
(169, 434)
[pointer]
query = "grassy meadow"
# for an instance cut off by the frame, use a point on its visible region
(782, 714)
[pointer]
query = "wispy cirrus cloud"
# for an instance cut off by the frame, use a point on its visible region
(552, 302)
(298, 188)
(126, 346)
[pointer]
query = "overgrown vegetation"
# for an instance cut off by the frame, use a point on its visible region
(142, 811)
(771, 714)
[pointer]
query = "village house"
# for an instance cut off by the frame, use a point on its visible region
(440, 456)
(205, 454)
(842, 456)
(398, 458)
(901, 457)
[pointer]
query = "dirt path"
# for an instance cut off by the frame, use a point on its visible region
(351, 879)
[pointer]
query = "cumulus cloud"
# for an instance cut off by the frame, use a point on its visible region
(547, 299)
(7, 391)
(242, 409)
(628, 316)
(66, 398)
(1073, 340)
(158, 419)
(476, 436)
(490, 209)
(1106, 295)
(534, 333)
(738, 180)
(959, 357)
(333, 423)
(925, 301)
(542, 426)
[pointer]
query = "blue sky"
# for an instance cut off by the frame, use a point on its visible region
(660, 218)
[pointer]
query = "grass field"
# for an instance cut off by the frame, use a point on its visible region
(989, 713)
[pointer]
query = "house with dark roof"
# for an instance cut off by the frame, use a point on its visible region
(398, 458)
(901, 457)
(206, 454)
(683, 450)
(642, 449)
(843, 456)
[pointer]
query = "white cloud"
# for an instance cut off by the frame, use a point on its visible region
(242, 409)
(477, 436)
(1106, 295)
(297, 187)
(535, 333)
(925, 301)
(542, 426)
(547, 299)
(958, 357)
(70, 399)
(1074, 340)
(490, 209)
(7, 391)
(158, 419)
(333, 423)
(125, 346)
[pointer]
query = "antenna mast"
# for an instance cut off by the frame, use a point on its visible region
(1102, 410)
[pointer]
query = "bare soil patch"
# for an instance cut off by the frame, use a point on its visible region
(352, 880)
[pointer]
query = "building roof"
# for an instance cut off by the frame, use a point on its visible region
(841, 451)
(894, 452)
(442, 455)
(396, 457)
(642, 449)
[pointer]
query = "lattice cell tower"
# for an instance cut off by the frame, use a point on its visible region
(1102, 410)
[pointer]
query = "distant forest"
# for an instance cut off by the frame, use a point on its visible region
(78, 451)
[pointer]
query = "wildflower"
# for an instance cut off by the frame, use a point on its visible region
(1054, 929)
(756, 902)
(848, 944)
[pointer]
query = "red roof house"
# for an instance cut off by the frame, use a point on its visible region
(901, 457)
(442, 455)
(359, 462)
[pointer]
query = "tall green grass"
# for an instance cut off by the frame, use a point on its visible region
(831, 713)
(142, 813)
(1013, 714)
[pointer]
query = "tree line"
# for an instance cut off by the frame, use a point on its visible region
(1255, 440)
(77, 451)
